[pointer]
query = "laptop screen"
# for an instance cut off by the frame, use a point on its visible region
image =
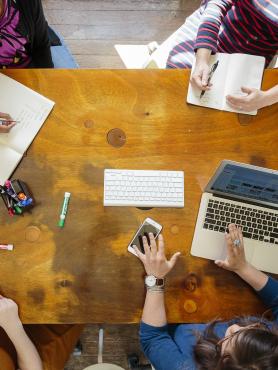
(247, 183)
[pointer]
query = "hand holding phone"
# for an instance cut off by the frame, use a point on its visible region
(154, 260)
(148, 226)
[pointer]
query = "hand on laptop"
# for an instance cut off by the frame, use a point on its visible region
(235, 260)
(6, 125)
(154, 259)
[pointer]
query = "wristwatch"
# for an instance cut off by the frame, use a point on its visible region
(153, 283)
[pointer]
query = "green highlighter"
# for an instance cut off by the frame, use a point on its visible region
(64, 210)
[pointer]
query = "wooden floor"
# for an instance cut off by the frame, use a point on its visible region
(91, 29)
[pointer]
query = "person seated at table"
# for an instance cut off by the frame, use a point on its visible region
(33, 347)
(24, 38)
(228, 26)
(249, 343)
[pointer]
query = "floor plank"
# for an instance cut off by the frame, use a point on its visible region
(92, 28)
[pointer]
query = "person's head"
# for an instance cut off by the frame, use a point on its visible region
(246, 346)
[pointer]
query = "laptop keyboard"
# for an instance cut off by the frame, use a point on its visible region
(255, 223)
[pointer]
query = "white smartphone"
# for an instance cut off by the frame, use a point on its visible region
(148, 226)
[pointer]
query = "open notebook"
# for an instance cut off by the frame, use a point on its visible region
(233, 72)
(31, 110)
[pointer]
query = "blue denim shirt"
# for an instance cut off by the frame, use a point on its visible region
(170, 347)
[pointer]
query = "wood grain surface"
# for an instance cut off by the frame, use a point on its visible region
(83, 273)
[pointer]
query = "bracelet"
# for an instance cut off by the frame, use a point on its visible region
(156, 289)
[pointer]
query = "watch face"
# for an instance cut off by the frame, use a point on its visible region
(150, 280)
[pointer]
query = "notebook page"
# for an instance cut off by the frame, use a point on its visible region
(243, 70)
(26, 106)
(214, 97)
(8, 162)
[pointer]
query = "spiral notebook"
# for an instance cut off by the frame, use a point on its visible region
(233, 72)
(31, 110)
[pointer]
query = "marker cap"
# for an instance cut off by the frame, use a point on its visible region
(61, 223)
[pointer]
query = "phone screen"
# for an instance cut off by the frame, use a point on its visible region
(144, 230)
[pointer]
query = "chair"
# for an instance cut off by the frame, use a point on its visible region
(61, 55)
(133, 360)
(102, 365)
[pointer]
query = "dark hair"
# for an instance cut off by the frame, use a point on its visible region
(254, 348)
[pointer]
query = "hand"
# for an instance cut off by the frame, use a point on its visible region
(8, 125)
(9, 318)
(235, 260)
(200, 74)
(154, 259)
(255, 99)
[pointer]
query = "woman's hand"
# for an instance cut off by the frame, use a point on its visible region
(154, 259)
(235, 260)
(9, 319)
(6, 127)
(255, 99)
(201, 71)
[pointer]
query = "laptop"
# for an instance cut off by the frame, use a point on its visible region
(247, 196)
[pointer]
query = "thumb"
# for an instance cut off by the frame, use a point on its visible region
(173, 259)
(140, 255)
(220, 263)
(246, 90)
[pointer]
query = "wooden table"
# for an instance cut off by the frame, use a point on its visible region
(83, 273)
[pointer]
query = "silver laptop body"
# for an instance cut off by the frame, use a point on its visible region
(247, 196)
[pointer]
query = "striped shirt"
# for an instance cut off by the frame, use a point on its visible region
(229, 26)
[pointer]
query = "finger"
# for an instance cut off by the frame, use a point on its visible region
(140, 255)
(230, 246)
(221, 264)
(10, 126)
(4, 129)
(236, 106)
(5, 116)
(237, 100)
(241, 237)
(153, 244)
(146, 246)
(173, 259)
(161, 248)
(196, 81)
(205, 76)
(229, 242)
(231, 228)
(247, 90)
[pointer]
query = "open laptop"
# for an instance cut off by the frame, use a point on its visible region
(247, 196)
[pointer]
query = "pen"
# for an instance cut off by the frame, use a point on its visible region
(211, 72)
(64, 210)
(8, 247)
(3, 122)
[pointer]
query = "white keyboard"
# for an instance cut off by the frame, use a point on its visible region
(143, 188)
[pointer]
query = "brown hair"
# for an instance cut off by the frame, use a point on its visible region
(254, 348)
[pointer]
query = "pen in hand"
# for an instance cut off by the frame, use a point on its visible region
(211, 72)
(6, 122)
